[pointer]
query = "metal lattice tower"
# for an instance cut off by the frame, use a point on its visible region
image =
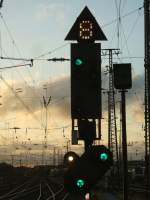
(147, 89)
(112, 126)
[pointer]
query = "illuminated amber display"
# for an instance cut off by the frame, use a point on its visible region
(86, 30)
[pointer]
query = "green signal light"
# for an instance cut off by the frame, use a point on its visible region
(103, 156)
(80, 183)
(78, 62)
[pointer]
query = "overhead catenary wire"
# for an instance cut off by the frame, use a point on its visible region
(37, 128)
(120, 28)
(42, 55)
(125, 44)
(52, 51)
(123, 5)
(14, 66)
(132, 29)
(126, 38)
(62, 46)
(21, 101)
(118, 5)
(14, 43)
(22, 77)
(127, 57)
(28, 108)
(126, 15)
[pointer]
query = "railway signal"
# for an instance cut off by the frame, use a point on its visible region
(86, 29)
(123, 81)
(85, 80)
(122, 76)
(70, 158)
(86, 131)
(90, 167)
(86, 104)
(85, 66)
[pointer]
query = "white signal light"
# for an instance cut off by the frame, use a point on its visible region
(70, 158)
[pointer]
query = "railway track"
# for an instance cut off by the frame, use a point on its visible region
(28, 185)
(138, 189)
(37, 189)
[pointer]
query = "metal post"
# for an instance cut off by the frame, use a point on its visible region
(111, 90)
(87, 145)
(124, 146)
(147, 92)
(112, 126)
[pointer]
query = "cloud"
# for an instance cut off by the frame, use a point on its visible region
(30, 100)
(59, 90)
(135, 99)
(137, 112)
(33, 118)
(59, 113)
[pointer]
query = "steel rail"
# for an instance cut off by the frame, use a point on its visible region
(40, 195)
(15, 189)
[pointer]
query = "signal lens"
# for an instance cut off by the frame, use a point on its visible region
(70, 158)
(80, 183)
(78, 62)
(103, 156)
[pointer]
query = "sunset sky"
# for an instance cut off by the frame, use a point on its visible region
(36, 29)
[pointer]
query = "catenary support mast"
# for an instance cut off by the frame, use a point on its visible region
(147, 90)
